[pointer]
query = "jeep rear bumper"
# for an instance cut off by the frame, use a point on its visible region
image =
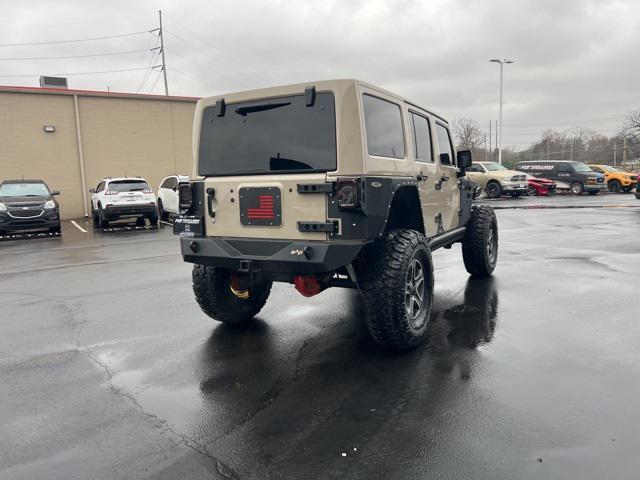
(277, 256)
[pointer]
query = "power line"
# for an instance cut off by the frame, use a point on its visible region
(154, 58)
(207, 54)
(77, 56)
(101, 20)
(156, 82)
(74, 73)
(76, 40)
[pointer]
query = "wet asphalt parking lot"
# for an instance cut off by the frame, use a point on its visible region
(108, 369)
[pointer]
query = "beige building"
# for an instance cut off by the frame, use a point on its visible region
(73, 138)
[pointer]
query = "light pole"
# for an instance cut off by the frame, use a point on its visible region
(501, 61)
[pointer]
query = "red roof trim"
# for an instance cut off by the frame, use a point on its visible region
(97, 93)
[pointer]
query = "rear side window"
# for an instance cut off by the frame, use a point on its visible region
(444, 142)
(383, 124)
(421, 138)
(128, 186)
(167, 183)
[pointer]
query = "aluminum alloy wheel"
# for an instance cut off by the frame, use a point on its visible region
(414, 293)
(492, 245)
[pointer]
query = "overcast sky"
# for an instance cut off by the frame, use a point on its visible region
(576, 62)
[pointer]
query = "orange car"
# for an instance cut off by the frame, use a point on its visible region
(618, 180)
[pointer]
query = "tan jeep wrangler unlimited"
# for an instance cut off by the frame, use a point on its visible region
(328, 184)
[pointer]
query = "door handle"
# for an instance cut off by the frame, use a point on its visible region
(211, 192)
(421, 177)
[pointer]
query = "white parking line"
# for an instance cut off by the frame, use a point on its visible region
(166, 223)
(78, 227)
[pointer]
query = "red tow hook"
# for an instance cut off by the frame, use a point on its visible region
(307, 286)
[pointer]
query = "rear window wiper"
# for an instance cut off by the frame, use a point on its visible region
(260, 108)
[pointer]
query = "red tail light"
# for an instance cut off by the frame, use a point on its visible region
(148, 190)
(348, 193)
(111, 192)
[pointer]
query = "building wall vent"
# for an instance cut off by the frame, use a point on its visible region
(53, 82)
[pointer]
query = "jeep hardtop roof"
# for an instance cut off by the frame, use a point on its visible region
(261, 93)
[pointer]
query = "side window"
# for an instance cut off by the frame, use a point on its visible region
(100, 187)
(475, 168)
(444, 142)
(421, 138)
(173, 183)
(165, 184)
(383, 124)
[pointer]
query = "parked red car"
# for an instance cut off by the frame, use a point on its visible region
(540, 186)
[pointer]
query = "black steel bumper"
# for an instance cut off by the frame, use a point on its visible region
(48, 219)
(116, 211)
(278, 256)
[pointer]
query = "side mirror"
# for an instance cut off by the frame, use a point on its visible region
(464, 159)
(55, 192)
(92, 190)
(175, 189)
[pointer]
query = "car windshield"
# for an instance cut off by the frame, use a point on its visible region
(269, 136)
(494, 166)
(128, 186)
(28, 189)
(580, 167)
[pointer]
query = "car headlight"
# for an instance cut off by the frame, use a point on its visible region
(3, 207)
(49, 204)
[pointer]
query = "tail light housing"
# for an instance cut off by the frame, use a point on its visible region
(348, 193)
(185, 197)
(148, 190)
(111, 192)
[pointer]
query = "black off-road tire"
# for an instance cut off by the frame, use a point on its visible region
(493, 189)
(212, 288)
(383, 270)
(480, 242)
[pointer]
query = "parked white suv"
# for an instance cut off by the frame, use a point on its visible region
(116, 198)
(168, 195)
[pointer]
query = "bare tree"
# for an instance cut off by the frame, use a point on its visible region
(469, 135)
(632, 124)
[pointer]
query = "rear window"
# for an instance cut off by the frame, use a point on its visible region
(383, 123)
(580, 167)
(128, 186)
(278, 135)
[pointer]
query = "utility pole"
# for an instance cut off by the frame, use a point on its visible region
(614, 152)
(164, 64)
(571, 158)
(490, 138)
(548, 149)
(485, 147)
(624, 151)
